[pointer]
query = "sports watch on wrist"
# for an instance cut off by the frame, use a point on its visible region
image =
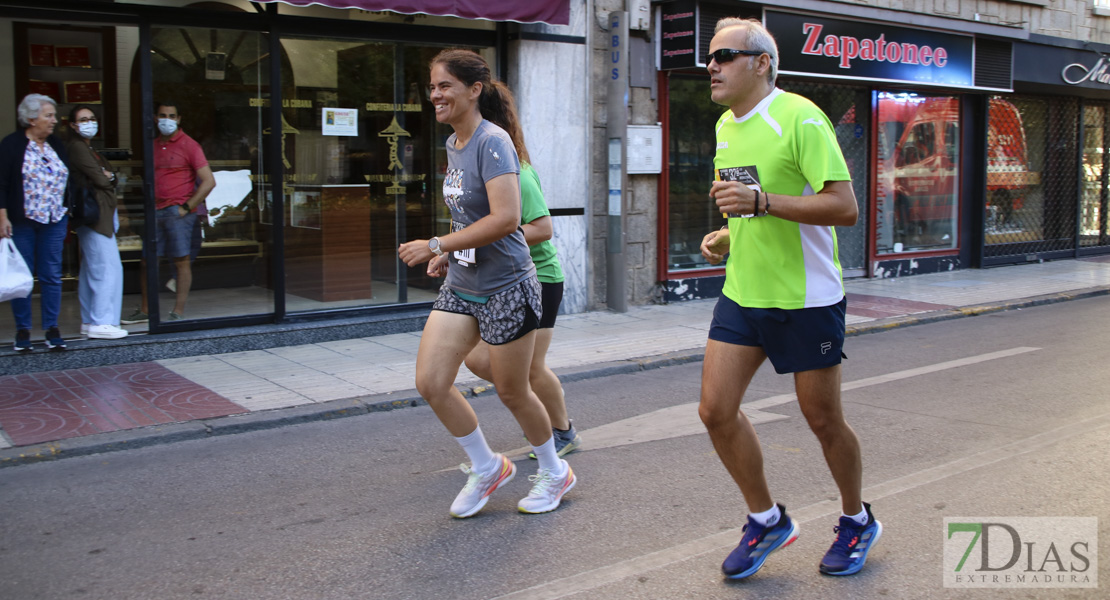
(433, 245)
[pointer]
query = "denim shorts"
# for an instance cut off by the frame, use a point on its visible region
(794, 340)
(173, 232)
(504, 317)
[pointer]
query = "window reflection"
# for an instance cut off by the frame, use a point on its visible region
(918, 173)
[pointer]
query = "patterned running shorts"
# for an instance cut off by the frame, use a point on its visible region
(505, 317)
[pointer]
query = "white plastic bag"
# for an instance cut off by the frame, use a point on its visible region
(15, 277)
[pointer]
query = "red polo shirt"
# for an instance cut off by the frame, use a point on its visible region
(176, 163)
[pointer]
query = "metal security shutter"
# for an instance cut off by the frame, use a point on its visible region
(1032, 183)
(994, 64)
(849, 109)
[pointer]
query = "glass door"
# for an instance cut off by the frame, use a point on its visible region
(217, 82)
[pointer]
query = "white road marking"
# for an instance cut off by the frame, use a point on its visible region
(683, 420)
(588, 580)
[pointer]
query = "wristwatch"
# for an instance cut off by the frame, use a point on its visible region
(433, 245)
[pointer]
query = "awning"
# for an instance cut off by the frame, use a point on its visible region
(552, 12)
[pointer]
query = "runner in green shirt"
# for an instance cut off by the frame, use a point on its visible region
(782, 182)
(536, 223)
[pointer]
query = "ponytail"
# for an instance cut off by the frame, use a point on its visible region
(496, 101)
(499, 107)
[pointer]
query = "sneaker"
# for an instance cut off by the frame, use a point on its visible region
(135, 318)
(547, 490)
(174, 317)
(54, 340)
(84, 330)
(171, 285)
(757, 543)
(478, 487)
(23, 341)
(853, 542)
(565, 441)
(106, 332)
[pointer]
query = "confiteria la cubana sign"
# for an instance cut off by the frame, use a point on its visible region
(836, 48)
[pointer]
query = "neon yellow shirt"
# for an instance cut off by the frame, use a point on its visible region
(788, 145)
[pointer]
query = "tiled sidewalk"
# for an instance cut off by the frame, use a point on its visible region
(42, 407)
(64, 404)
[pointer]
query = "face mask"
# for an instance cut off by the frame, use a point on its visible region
(167, 126)
(87, 130)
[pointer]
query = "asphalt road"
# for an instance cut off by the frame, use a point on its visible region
(1003, 415)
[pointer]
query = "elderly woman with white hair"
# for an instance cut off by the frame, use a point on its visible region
(34, 173)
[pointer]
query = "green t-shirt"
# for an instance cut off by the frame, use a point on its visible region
(532, 207)
(787, 146)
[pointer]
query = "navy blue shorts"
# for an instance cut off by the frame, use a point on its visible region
(794, 340)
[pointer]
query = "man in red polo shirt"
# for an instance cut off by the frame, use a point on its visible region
(182, 180)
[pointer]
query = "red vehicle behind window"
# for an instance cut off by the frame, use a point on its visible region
(926, 166)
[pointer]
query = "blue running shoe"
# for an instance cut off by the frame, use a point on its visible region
(853, 542)
(757, 543)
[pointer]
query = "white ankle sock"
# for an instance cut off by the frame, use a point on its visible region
(860, 518)
(548, 459)
(768, 517)
(479, 452)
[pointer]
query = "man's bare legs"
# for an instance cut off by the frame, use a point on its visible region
(726, 372)
(184, 282)
(819, 398)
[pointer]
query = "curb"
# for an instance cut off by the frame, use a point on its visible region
(350, 407)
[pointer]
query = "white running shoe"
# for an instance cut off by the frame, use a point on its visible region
(171, 285)
(106, 332)
(547, 490)
(84, 330)
(478, 487)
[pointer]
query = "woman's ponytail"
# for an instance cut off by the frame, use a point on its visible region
(499, 107)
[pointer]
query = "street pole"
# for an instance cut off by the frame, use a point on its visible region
(617, 133)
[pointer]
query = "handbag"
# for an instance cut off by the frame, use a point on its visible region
(15, 278)
(86, 209)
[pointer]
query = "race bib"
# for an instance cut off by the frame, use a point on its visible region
(468, 257)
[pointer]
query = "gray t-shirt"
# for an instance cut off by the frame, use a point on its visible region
(494, 268)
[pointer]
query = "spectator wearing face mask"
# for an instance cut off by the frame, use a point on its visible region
(182, 180)
(100, 288)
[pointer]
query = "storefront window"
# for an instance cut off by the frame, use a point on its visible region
(364, 161)
(691, 213)
(1015, 198)
(1093, 213)
(214, 78)
(1031, 174)
(918, 173)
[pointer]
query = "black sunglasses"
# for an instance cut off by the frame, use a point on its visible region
(727, 55)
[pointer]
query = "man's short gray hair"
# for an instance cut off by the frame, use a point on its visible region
(758, 38)
(31, 106)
